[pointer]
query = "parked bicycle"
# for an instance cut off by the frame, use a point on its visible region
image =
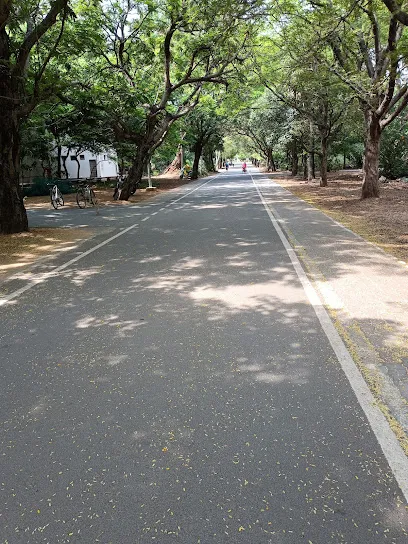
(85, 196)
(57, 200)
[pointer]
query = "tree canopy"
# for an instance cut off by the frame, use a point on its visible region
(310, 82)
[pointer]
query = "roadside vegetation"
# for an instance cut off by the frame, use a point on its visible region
(305, 87)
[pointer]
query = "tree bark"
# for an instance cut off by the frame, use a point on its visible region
(59, 153)
(310, 154)
(198, 150)
(371, 186)
(270, 163)
(136, 171)
(273, 163)
(78, 166)
(13, 216)
(309, 167)
(323, 161)
(209, 161)
(177, 162)
(64, 164)
(295, 159)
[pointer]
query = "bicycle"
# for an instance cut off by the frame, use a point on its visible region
(85, 195)
(56, 197)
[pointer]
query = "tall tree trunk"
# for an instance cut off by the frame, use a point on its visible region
(344, 160)
(304, 164)
(136, 171)
(314, 165)
(309, 167)
(270, 163)
(198, 149)
(209, 162)
(295, 159)
(64, 164)
(310, 154)
(59, 153)
(78, 166)
(177, 163)
(13, 216)
(371, 186)
(268, 160)
(323, 161)
(273, 163)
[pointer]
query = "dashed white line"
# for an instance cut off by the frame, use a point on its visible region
(43, 277)
(47, 275)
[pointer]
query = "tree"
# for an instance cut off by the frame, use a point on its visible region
(264, 123)
(29, 39)
(204, 132)
(156, 59)
(298, 77)
(395, 9)
(367, 46)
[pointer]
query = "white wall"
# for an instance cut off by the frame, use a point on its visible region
(106, 166)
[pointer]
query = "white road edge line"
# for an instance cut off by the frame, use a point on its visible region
(47, 275)
(387, 440)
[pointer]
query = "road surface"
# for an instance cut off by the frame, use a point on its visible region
(176, 385)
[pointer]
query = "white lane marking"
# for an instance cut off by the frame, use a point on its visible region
(194, 190)
(47, 275)
(392, 450)
(154, 213)
(43, 277)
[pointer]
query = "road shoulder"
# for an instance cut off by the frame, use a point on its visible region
(364, 290)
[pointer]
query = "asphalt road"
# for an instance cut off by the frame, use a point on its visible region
(175, 385)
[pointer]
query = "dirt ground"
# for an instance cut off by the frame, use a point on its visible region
(20, 250)
(383, 221)
(104, 196)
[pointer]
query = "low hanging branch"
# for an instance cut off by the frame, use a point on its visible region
(397, 12)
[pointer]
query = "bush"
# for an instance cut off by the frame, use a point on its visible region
(40, 187)
(394, 150)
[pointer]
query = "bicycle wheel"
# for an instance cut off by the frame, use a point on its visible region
(56, 198)
(54, 201)
(81, 198)
(60, 198)
(92, 197)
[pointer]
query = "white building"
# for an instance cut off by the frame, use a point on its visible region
(91, 165)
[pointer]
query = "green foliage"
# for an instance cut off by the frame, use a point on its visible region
(394, 150)
(41, 187)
